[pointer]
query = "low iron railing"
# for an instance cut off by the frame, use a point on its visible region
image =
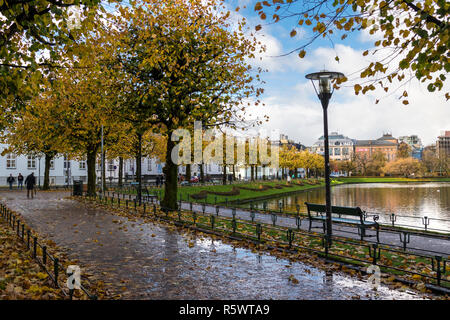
(39, 252)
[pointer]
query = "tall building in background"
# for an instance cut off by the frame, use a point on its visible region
(415, 143)
(443, 144)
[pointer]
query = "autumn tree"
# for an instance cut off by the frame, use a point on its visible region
(186, 63)
(414, 36)
(376, 163)
(35, 131)
(29, 31)
(404, 150)
(405, 167)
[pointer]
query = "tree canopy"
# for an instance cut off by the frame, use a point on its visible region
(412, 40)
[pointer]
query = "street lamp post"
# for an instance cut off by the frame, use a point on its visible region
(325, 92)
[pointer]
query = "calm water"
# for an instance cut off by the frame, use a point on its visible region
(410, 201)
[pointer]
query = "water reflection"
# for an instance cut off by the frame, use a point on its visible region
(406, 199)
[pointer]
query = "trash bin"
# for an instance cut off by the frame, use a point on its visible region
(77, 187)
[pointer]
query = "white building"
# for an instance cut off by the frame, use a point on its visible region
(340, 146)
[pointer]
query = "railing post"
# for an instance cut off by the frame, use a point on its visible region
(213, 218)
(258, 231)
(374, 252)
(233, 225)
(405, 239)
(393, 218)
(439, 271)
(44, 255)
(274, 218)
(298, 222)
(217, 210)
(55, 271)
(252, 215)
(290, 237)
(34, 247)
(28, 239)
(426, 222)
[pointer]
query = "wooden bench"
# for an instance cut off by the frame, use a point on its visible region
(362, 224)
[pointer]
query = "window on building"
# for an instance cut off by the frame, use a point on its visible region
(10, 161)
(31, 162)
(66, 163)
(345, 151)
(82, 165)
(337, 151)
(52, 164)
(149, 164)
(110, 165)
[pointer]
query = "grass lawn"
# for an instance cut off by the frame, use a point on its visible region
(389, 179)
(243, 194)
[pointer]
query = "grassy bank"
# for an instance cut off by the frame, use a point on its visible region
(276, 188)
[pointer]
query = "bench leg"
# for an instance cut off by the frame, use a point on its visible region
(378, 233)
(363, 233)
(323, 226)
(310, 225)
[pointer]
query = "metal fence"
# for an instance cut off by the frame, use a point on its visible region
(39, 252)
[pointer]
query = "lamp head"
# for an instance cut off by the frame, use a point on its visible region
(324, 78)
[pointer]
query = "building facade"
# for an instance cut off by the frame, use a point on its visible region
(386, 144)
(340, 146)
(443, 145)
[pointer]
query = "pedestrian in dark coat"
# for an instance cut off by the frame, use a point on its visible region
(10, 180)
(20, 181)
(30, 182)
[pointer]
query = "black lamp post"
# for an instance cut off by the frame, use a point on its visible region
(325, 92)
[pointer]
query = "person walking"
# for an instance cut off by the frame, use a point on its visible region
(30, 181)
(10, 180)
(20, 181)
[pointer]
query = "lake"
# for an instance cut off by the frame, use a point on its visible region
(409, 201)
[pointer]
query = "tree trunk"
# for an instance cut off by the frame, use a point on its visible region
(234, 172)
(188, 172)
(48, 159)
(170, 181)
(224, 174)
(202, 172)
(264, 172)
(139, 168)
(252, 173)
(91, 158)
(120, 171)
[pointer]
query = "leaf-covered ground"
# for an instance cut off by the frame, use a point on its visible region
(20, 276)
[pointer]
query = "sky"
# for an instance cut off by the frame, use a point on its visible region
(294, 109)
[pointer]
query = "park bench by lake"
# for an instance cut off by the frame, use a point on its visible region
(342, 215)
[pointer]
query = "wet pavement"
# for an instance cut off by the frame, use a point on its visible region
(152, 261)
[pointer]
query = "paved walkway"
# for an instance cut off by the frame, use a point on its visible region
(153, 261)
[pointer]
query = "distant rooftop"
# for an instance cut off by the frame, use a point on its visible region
(378, 142)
